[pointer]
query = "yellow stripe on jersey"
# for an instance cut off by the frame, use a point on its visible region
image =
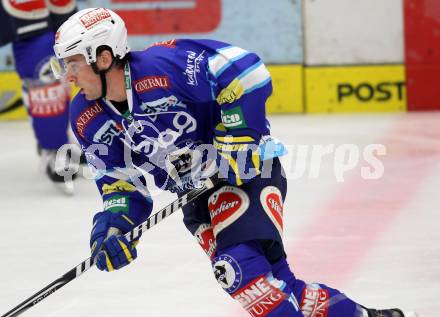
(235, 139)
(234, 167)
(231, 93)
(252, 78)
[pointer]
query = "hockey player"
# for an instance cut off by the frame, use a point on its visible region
(30, 26)
(167, 110)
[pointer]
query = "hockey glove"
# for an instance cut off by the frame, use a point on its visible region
(238, 155)
(109, 248)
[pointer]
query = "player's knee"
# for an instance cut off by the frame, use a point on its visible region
(237, 265)
(244, 273)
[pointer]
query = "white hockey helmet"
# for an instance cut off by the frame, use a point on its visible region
(89, 29)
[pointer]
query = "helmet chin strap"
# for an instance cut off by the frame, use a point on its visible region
(102, 75)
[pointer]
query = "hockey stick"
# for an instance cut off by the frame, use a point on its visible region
(131, 235)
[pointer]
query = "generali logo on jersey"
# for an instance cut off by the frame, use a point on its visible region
(149, 83)
(86, 117)
(92, 17)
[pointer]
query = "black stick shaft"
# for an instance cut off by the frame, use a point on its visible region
(50, 289)
(133, 234)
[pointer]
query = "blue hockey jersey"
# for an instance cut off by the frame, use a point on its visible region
(177, 91)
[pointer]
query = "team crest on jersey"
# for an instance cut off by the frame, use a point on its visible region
(93, 17)
(107, 132)
(272, 202)
(228, 273)
(155, 107)
(193, 67)
(181, 160)
(225, 206)
(179, 166)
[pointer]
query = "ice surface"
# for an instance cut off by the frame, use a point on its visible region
(377, 240)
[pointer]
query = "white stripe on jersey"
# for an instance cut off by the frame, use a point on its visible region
(225, 57)
(254, 77)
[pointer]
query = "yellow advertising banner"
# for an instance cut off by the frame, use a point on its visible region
(325, 90)
(355, 89)
(11, 105)
(287, 94)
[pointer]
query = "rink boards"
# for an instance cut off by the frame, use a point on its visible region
(317, 66)
(297, 89)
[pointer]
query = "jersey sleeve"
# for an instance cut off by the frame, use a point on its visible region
(208, 70)
(123, 189)
(243, 86)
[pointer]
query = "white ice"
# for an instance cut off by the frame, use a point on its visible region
(377, 240)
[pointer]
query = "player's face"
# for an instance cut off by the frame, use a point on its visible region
(83, 76)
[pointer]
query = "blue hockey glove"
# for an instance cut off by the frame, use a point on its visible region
(238, 155)
(109, 248)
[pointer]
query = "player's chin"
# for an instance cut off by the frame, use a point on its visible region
(89, 96)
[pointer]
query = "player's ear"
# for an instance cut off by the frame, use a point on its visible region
(104, 59)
